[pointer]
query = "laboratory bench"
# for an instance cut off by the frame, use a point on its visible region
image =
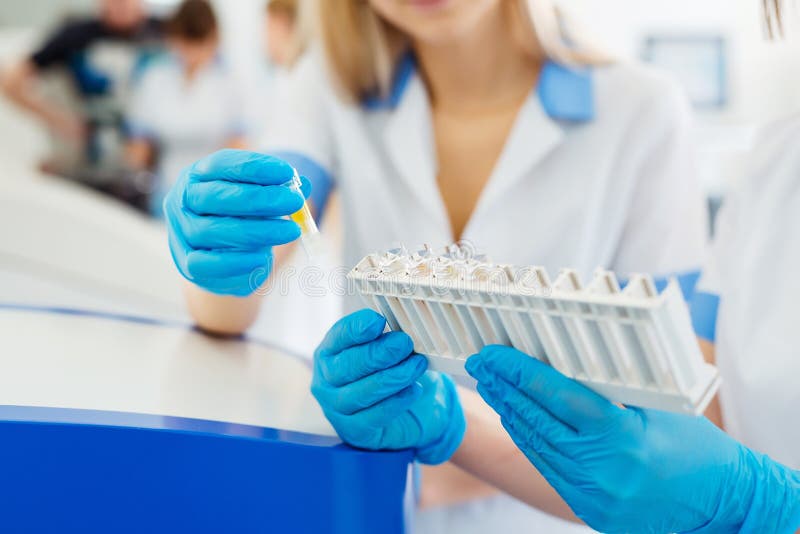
(120, 423)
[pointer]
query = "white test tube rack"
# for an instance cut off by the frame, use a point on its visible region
(633, 346)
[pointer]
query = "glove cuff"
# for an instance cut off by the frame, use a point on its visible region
(443, 448)
(776, 500)
(763, 497)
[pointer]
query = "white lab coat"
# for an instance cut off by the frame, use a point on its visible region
(753, 269)
(597, 171)
(186, 120)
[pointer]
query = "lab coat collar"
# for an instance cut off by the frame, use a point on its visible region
(408, 137)
(565, 93)
(403, 72)
(562, 95)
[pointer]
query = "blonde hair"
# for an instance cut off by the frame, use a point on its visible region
(362, 47)
(284, 7)
(773, 18)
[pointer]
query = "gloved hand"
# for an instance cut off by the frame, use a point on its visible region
(378, 394)
(224, 216)
(633, 470)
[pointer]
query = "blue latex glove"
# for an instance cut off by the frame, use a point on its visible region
(378, 394)
(633, 470)
(224, 215)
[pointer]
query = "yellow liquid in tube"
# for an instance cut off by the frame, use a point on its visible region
(304, 220)
(309, 233)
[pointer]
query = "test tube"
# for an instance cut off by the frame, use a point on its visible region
(309, 233)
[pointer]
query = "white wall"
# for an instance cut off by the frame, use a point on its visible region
(764, 76)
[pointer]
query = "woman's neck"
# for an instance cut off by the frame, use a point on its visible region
(482, 71)
(192, 70)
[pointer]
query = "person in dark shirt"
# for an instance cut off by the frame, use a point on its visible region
(122, 21)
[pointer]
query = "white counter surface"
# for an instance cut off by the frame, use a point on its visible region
(72, 360)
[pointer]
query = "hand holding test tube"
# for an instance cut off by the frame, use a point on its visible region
(226, 212)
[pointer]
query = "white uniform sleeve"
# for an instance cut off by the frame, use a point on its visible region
(732, 231)
(299, 129)
(705, 301)
(711, 277)
(665, 231)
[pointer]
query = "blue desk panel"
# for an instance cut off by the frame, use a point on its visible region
(65, 471)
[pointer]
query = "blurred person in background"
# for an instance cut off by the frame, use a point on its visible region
(284, 39)
(486, 120)
(100, 53)
(186, 103)
(286, 36)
